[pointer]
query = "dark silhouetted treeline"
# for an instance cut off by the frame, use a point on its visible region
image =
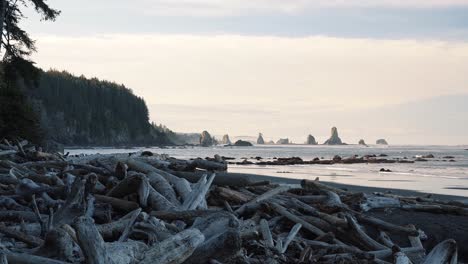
(80, 111)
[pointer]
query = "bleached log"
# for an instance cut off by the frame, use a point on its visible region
(74, 205)
(23, 258)
(221, 247)
(445, 252)
(126, 252)
(222, 179)
(160, 184)
(158, 202)
(20, 236)
(315, 185)
(385, 239)
(182, 186)
(187, 216)
(90, 241)
(290, 237)
(198, 193)
(401, 258)
(131, 222)
(116, 203)
(133, 184)
(284, 212)
(232, 195)
(175, 249)
(381, 224)
(262, 197)
(209, 165)
(266, 233)
(362, 237)
(375, 202)
(58, 245)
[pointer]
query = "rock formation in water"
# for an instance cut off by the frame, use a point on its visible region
(206, 140)
(362, 142)
(271, 142)
(226, 140)
(283, 141)
(260, 140)
(311, 140)
(334, 138)
(381, 142)
(242, 143)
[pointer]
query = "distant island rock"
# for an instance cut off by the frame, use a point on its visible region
(311, 140)
(362, 142)
(271, 142)
(226, 140)
(283, 141)
(260, 140)
(206, 140)
(334, 138)
(381, 142)
(242, 143)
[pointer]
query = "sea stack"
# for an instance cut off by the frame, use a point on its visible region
(226, 140)
(283, 141)
(381, 142)
(206, 140)
(260, 140)
(334, 138)
(311, 140)
(362, 142)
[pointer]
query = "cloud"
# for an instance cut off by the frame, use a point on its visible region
(243, 7)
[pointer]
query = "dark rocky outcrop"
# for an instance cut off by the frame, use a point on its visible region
(283, 141)
(381, 142)
(226, 140)
(206, 140)
(334, 138)
(311, 140)
(242, 143)
(260, 140)
(362, 142)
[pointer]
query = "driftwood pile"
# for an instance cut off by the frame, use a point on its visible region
(144, 208)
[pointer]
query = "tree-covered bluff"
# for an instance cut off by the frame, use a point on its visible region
(81, 111)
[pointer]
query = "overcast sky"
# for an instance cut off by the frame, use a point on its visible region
(390, 69)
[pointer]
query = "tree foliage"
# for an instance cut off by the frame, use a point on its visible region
(80, 111)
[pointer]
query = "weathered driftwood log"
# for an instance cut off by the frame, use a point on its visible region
(381, 224)
(74, 205)
(360, 236)
(284, 212)
(182, 186)
(58, 245)
(133, 184)
(175, 249)
(445, 252)
(20, 236)
(222, 179)
(209, 165)
(90, 241)
(315, 185)
(198, 193)
(257, 200)
(22, 258)
(116, 203)
(161, 185)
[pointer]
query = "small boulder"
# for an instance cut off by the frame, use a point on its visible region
(242, 143)
(381, 142)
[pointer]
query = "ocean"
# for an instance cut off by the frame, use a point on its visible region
(438, 175)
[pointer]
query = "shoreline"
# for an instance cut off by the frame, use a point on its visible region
(361, 188)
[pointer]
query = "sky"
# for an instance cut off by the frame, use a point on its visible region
(394, 69)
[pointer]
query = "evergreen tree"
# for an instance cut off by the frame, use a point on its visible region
(17, 117)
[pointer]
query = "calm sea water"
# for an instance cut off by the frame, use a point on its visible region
(436, 175)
